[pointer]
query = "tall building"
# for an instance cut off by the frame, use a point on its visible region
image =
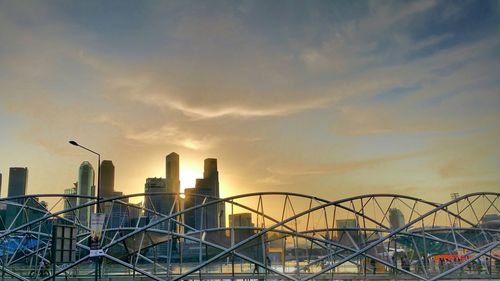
(212, 216)
(155, 203)
(107, 184)
(119, 213)
(348, 233)
(86, 186)
(0, 184)
(70, 202)
(243, 229)
(243, 219)
(172, 172)
(396, 218)
(172, 181)
(18, 181)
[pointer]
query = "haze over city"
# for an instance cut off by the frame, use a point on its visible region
(327, 98)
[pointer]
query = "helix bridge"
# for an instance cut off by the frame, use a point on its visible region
(257, 236)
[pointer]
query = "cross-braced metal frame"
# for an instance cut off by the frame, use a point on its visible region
(289, 237)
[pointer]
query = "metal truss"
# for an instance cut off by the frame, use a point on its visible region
(286, 236)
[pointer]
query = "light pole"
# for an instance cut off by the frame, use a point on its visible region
(98, 172)
(97, 260)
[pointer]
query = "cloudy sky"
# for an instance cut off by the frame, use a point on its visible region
(328, 98)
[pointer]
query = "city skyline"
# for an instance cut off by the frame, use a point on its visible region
(335, 98)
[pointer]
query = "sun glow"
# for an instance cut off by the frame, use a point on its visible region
(188, 177)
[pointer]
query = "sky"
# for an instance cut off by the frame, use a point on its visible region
(326, 98)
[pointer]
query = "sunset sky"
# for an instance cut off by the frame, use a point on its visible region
(327, 98)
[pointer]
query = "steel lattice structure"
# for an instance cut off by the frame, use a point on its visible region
(291, 237)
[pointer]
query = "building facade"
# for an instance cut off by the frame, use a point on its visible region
(107, 184)
(18, 182)
(205, 190)
(70, 202)
(86, 186)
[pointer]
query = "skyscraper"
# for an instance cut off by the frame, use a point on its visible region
(18, 181)
(211, 216)
(155, 203)
(172, 172)
(0, 184)
(107, 186)
(70, 202)
(172, 181)
(85, 187)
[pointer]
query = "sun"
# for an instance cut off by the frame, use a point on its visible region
(188, 178)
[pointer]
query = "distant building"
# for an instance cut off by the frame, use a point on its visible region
(243, 219)
(107, 184)
(119, 215)
(86, 187)
(0, 184)
(396, 218)
(172, 181)
(491, 221)
(243, 229)
(348, 232)
(70, 202)
(212, 216)
(18, 181)
(172, 172)
(134, 212)
(155, 203)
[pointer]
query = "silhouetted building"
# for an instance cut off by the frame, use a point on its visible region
(0, 184)
(243, 219)
(396, 218)
(491, 221)
(18, 181)
(172, 172)
(155, 203)
(107, 184)
(86, 186)
(348, 232)
(119, 215)
(243, 228)
(134, 212)
(212, 216)
(172, 181)
(70, 202)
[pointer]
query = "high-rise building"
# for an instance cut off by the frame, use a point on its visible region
(212, 216)
(86, 186)
(119, 215)
(348, 231)
(107, 184)
(172, 181)
(243, 228)
(172, 172)
(396, 218)
(155, 203)
(243, 219)
(70, 202)
(18, 181)
(0, 184)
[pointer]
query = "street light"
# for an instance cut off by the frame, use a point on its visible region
(97, 260)
(98, 171)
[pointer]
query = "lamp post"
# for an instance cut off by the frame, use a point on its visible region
(97, 260)
(98, 172)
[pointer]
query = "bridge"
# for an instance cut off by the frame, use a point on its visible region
(269, 236)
